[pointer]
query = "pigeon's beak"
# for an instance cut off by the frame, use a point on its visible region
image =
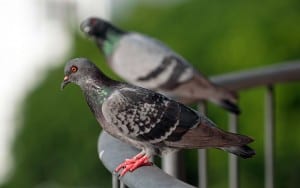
(64, 82)
(85, 27)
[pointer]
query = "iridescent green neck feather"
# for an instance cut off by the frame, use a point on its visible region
(101, 94)
(95, 96)
(111, 42)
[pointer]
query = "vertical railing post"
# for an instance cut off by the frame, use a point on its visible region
(202, 157)
(233, 160)
(173, 164)
(115, 181)
(122, 185)
(269, 137)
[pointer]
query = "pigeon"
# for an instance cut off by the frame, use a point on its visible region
(147, 120)
(147, 62)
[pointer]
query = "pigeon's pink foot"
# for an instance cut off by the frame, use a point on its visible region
(133, 163)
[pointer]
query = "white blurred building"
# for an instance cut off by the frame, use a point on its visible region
(30, 30)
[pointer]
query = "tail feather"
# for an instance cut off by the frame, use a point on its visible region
(226, 99)
(199, 88)
(206, 135)
(241, 151)
(230, 106)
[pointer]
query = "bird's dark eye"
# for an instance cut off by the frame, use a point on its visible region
(74, 69)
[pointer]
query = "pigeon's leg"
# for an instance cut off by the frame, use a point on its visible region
(130, 161)
(141, 159)
(136, 157)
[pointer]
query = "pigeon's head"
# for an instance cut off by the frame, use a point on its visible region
(95, 27)
(79, 71)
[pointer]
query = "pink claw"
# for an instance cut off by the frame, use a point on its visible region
(133, 163)
(144, 161)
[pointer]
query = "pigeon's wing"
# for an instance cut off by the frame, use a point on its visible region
(142, 114)
(148, 116)
(188, 85)
(175, 70)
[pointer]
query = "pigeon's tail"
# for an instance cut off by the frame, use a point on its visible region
(241, 151)
(226, 99)
(207, 135)
(199, 88)
(230, 106)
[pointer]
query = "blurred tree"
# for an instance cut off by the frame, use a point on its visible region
(56, 143)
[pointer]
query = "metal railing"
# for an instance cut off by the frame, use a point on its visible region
(112, 152)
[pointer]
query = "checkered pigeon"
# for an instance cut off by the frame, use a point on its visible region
(148, 63)
(148, 120)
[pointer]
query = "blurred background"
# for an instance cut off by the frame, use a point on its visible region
(48, 138)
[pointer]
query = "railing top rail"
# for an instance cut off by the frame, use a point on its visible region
(112, 152)
(278, 73)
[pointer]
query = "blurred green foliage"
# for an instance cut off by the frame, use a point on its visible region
(56, 142)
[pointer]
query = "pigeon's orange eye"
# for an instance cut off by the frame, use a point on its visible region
(74, 69)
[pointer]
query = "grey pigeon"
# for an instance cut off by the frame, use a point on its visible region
(148, 120)
(148, 63)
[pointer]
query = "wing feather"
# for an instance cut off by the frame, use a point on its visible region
(141, 114)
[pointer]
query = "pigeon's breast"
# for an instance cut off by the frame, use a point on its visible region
(137, 56)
